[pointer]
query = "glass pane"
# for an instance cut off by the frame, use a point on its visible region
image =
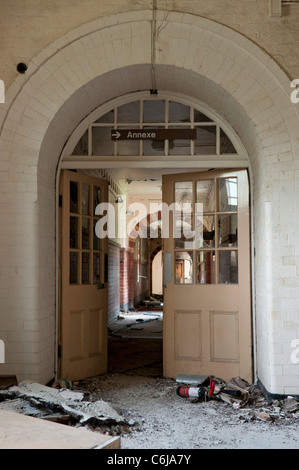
(183, 214)
(225, 144)
(96, 268)
(74, 268)
(85, 268)
(206, 195)
(184, 192)
(108, 117)
(102, 143)
(228, 194)
(228, 267)
(206, 267)
(74, 232)
(205, 143)
(96, 240)
(74, 197)
(129, 112)
(184, 234)
(96, 197)
(178, 112)
(200, 117)
(154, 147)
(82, 146)
(127, 147)
(85, 198)
(184, 267)
(85, 234)
(205, 231)
(179, 147)
(228, 230)
(153, 111)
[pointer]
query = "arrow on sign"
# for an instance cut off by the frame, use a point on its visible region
(116, 135)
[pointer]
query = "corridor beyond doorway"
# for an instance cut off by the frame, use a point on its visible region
(135, 344)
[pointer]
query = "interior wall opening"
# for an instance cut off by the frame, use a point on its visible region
(133, 169)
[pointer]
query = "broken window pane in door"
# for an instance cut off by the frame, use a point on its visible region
(228, 267)
(206, 195)
(184, 267)
(228, 230)
(183, 214)
(205, 231)
(228, 194)
(206, 267)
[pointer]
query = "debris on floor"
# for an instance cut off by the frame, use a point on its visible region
(149, 324)
(239, 394)
(61, 405)
(153, 302)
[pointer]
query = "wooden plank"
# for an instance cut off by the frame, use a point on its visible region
(18, 431)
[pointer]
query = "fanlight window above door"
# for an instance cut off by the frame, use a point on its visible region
(154, 113)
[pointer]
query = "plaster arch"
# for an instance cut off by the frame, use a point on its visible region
(110, 57)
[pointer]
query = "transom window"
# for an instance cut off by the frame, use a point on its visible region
(147, 114)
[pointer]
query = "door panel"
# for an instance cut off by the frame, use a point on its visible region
(83, 290)
(207, 293)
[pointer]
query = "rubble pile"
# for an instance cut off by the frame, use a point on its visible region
(64, 406)
(81, 404)
(240, 395)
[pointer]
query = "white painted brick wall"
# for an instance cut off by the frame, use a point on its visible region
(194, 56)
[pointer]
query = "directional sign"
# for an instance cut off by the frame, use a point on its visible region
(153, 134)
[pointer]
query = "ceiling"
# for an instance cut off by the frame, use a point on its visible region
(144, 181)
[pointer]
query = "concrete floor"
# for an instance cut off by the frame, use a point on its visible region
(135, 344)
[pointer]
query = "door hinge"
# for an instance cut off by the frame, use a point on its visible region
(59, 351)
(60, 200)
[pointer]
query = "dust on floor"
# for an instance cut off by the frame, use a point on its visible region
(164, 420)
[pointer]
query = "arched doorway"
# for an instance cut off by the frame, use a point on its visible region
(106, 135)
(157, 274)
(53, 105)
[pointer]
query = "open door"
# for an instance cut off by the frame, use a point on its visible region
(83, 286)
(207, 289)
